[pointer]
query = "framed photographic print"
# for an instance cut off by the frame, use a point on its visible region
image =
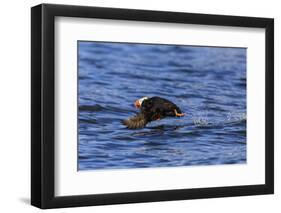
(139, 106)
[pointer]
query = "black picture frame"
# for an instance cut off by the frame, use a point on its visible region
(43, 102)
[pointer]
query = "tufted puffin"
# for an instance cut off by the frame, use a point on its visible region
(152, 109)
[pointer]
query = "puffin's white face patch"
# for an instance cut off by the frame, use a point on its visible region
(142, 99)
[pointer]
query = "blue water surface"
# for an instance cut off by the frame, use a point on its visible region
(207, 83)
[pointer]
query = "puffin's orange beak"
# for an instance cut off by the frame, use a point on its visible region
(137, 104)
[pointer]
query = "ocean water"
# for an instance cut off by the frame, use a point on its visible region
(207, 83)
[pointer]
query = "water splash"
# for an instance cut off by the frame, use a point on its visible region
(236, 117)
(204, 120)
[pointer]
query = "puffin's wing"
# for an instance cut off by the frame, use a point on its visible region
(136, 122)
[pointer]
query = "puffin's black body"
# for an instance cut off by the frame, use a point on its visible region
(152, 109)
